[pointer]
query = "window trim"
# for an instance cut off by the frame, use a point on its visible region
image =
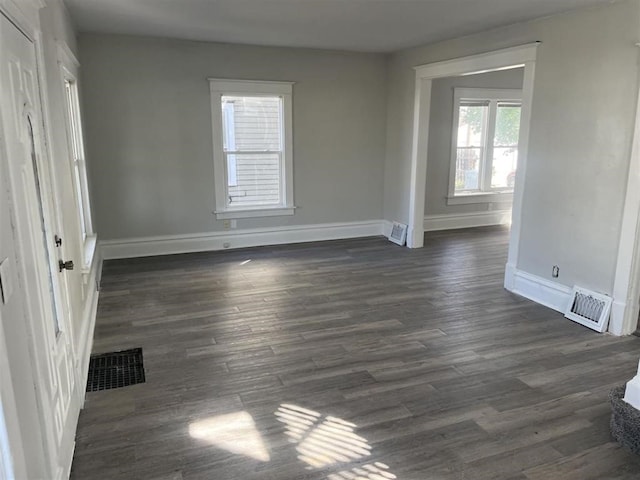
(219, 87)
(69, 67)
(492, 95)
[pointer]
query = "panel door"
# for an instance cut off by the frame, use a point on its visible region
(36, 252)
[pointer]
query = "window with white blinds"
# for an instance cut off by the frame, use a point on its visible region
(252, 148)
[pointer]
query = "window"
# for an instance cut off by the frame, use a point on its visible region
(69, 66)
(252, 148)
(484, 153)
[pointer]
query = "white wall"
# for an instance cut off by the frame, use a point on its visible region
(149, 139)
(440, 131)
(582, 118)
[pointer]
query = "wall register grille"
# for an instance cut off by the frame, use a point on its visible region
(398, 233)
(588, 308)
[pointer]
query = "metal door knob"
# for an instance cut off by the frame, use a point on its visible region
(65, 265)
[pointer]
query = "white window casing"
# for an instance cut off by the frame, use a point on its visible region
(252, 133)
(69, 75)
(491, 99)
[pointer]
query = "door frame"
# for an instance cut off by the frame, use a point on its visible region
(514, 57)
(626, 285)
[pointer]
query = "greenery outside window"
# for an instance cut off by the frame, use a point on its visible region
(484, 153)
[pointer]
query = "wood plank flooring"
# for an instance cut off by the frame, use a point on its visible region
(353, 359)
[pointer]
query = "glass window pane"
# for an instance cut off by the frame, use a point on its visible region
(468, 169)
(507, 125)
(257, 179)
(472, 122)
(505, 161)
(252, 140)
(252, 122)
(505, 145)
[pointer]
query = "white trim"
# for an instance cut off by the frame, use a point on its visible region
(626, 284)
(504, 59)
(501, 94)
(230, 86)
(480, 197)
(550, 294)
(419, 149)
(514, 57)
(69, 72)
(85, 339)
(523, 154)
(451, 221)
(66, 58)
(23, 14)
(387, 226)
(199, 242)
(254, 212)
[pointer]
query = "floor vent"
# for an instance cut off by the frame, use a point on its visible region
(398, 233)
(588, 308)
(115, 370)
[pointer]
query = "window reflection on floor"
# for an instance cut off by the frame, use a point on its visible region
(324, 441)
(235, 432)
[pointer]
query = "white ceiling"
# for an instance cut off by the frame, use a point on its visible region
(360, 25)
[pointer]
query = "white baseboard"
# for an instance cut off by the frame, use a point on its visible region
(550, 294)
(84, 343)
(617, 324)
(230, 239)
(450, 221)
(386, 227)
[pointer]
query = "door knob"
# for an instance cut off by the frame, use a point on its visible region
(65, 265)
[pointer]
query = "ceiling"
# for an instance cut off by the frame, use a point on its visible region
(359, 25)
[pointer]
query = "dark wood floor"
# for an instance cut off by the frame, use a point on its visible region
(353, 359)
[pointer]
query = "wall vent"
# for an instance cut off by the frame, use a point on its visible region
(588, 308)
(398, 233)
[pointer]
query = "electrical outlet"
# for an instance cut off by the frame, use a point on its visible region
(555, 271)
(226, 224)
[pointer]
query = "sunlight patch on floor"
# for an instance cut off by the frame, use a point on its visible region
(235, 432)
(370, 471)
(325, 441)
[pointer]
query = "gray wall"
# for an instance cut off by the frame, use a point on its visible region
(149, 141)
(440, 130)
(582, 118)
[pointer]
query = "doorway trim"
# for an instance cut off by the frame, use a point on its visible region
(626, 284)
(504, 59)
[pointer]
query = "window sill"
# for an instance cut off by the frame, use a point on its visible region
(254, 212)
(480, 197)
(88, 252)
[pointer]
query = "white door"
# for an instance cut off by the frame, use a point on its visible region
(37, 255)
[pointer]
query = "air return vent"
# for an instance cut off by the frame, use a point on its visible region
(588, 308)
(398, 233)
